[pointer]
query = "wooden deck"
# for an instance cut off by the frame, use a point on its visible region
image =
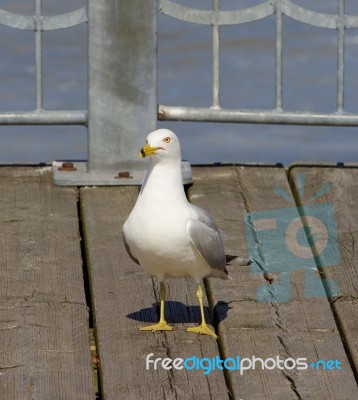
(64, 271)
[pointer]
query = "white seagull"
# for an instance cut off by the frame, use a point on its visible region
(168, 236)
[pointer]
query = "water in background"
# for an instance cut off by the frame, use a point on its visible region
(247, 81)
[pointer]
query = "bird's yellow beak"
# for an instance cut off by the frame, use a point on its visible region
(147, 150)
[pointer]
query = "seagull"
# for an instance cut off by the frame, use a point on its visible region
(167, 235)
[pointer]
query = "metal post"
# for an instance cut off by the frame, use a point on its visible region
(279, 60)
(340, 54)
(38, 52)
(122, 94)
(216, 55)
(122, 103)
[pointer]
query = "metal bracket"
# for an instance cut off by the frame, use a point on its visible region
(76, 174)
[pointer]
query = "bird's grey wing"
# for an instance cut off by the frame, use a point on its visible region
(126, 245)
(205, 217)
(209, 243)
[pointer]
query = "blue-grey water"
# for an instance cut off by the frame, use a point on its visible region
(185, 73)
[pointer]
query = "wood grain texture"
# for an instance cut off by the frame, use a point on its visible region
(124, 298)
(301, 327)
(44, 333)
(342, 193)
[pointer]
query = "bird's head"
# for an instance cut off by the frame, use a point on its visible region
(163, 144)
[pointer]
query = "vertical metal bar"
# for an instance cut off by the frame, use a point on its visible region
(122, 87)
(340, 56)
(279, 61)
(38, 52)
(216, 55)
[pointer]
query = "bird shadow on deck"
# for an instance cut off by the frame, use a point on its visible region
(177, 312)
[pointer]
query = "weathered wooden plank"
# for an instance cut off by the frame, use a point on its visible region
(338, 188)
(301, 327)
(123, 296)
(44, 333)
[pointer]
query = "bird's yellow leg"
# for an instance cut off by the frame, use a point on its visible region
(162, 324)
(203, 328)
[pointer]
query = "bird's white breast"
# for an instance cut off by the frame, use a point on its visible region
(159, 240)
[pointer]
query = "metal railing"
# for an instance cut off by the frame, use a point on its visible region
(122, 78)
(122, 100)
(38, 24)
(277, 115)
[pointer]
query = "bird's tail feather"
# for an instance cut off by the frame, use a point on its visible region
(235, 260)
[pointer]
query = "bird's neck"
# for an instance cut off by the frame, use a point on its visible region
(163, 181)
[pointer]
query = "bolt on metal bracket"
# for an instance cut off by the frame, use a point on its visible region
(76, 174)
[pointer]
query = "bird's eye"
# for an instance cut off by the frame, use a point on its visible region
(167, 140)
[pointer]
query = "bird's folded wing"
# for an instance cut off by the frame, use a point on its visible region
(208, 242)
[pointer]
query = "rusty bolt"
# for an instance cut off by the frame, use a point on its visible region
(67, 166)
(123, 174)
